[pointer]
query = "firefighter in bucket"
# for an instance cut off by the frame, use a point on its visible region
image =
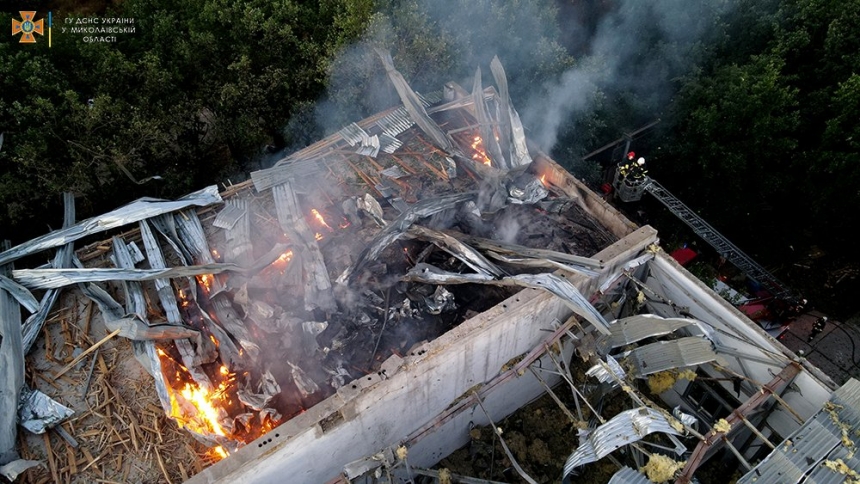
(633, 170)
(630, 176)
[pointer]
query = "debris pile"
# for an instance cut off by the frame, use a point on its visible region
(249, 306)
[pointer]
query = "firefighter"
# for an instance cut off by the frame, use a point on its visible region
(625, 167)
(638, 170)
(817, 328)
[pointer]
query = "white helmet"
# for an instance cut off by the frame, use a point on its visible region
(640, 161)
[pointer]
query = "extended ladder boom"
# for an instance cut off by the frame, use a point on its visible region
(722, 245)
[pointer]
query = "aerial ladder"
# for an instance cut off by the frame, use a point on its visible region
(629, 189)
(703, 229)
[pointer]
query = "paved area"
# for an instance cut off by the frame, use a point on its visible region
(836, 350)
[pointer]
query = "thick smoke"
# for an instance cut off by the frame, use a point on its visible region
(612, 48)
(636, 48)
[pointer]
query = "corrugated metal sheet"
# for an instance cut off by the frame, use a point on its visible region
(395, 123)
(239, 249)
(603, 376)
(54, 278)
(135, 303)
(20, 293)
(131, 213)
(286, 171)
(625, 428)
(353, 134)
(818, 440)
(611, 280)
(389, 144)
(62, 258)
(228, 216)
(628, 476)
(162, 286)
(636, 328)
(667, 355)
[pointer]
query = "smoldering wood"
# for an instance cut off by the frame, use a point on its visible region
(318, 291)
(398, 227)
(11, 369)
(131, 213)
(558, 286)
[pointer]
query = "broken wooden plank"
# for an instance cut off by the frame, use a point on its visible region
(81, 356)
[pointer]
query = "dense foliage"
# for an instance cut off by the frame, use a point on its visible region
(196, 91)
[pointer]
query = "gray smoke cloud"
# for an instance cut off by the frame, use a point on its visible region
(637, 48)
(612, 48)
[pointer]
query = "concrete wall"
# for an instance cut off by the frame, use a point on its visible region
(375, 412)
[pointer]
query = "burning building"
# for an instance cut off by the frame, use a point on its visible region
(355, 310)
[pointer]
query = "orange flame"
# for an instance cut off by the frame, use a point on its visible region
(318, 236)
(219, 453)
(199, 409)
(543, 180)
(317, 215)
(480, 152)
(206, 281)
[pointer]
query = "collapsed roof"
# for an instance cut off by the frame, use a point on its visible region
(418, 263)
